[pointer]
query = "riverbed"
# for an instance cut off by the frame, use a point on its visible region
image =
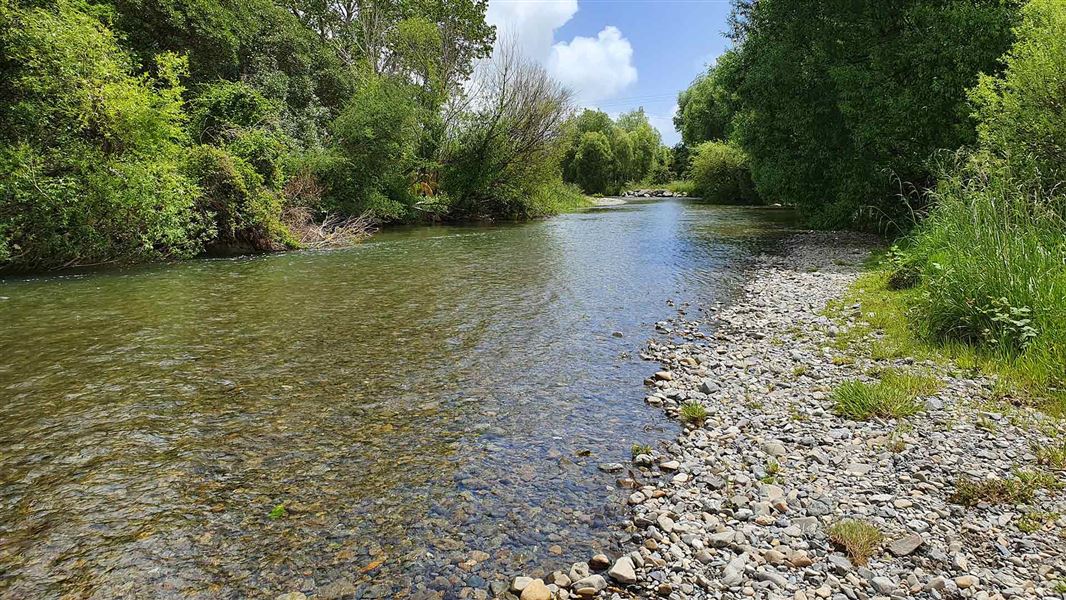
(421, 414)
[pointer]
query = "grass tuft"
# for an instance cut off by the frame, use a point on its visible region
(1052, 456)
(1019, 489)
(860, 401)
(693, 413)
(859, 539)
(637, 449)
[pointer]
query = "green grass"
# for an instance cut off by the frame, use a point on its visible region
(692, 413)
(917, 383)
(1034, 521)
(637, 449)
(860, 401)
(1019, 489)
(859, 539)
(1052, 455)
(560, 198)
(891, 313)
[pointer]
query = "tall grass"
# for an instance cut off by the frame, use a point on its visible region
(993, 261)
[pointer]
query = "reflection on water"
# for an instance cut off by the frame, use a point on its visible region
(430, 407)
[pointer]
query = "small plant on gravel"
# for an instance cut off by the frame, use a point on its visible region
(799, 370)
(1019, 489)
(896, 439)
(773, 469)
(860, 401)
(912, 382)
(638, 449)
(843, 360)
(693, 413)
(1052, 455)
(1034, 521)
(859, 539)
(986, 423)
(277, 512)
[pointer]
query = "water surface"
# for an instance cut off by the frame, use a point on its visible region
(430, 407)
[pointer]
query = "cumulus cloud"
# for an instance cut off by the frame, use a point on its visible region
(665, 125)
(594, 68)
(530, 25)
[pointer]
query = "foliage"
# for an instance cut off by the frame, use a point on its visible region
(634, 151)
(860, 401)
(838, 105)
(861, 540)
(502, 158)
(102, 180)
(693, 413)
(244, 213)
(705, 110)
(594, 163)
(720, 174)
(1019, 489)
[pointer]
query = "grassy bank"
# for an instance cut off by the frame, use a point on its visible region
(892, 327)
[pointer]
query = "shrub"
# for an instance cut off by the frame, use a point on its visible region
(860, 401)
(859, 539)
(89, 151)
(720, 174)
(243, 212)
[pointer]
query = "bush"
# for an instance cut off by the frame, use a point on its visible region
(242, 211)
(720, 174)
(859, 539)
(89, 152)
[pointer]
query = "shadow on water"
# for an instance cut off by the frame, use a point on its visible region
(430, 407)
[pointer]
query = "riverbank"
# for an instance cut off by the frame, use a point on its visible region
(775, 494)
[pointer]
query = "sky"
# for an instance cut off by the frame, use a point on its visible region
(617, 55)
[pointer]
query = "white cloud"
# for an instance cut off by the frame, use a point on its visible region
(530, 25)
(594, 68)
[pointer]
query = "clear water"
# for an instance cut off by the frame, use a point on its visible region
(430, 407)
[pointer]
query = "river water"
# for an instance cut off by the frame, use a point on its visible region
(430, 407)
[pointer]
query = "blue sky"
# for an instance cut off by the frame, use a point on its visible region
(619, 54)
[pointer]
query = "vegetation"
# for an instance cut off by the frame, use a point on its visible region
(860, 401)
(602, 156)
(693, 413)
(1019, 489)
(859, 539)
(638, 449)
(720, 174)
(147, 129)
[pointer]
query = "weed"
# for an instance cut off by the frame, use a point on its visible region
(843, 360)
(986, 423)
(278, 512)
(913, 382)
(638, 449)
(860, 401)
(1034, 521)
(1019, 489)
(799, 370)
(1052, 455)
(693, 413)
(859, 539)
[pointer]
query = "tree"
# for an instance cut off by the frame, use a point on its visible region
(705, 110)
(594, 163)
(840, 104)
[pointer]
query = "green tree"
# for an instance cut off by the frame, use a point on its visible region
(721, 174)
(90, 153)
(594, 163)
(839, 103)
(705, 110)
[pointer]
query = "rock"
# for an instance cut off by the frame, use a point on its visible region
(623, 571)
(664, 376)
(579, 571)
(967, 581)
(596, 582)
(906, 544)
(611, 467)
(883, 585)
(536, 590)
(292, 596)
(599, 562)
(520, 583)
(709, 386)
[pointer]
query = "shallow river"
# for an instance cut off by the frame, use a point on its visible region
(430, 407)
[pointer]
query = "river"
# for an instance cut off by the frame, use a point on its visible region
(430, 407)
